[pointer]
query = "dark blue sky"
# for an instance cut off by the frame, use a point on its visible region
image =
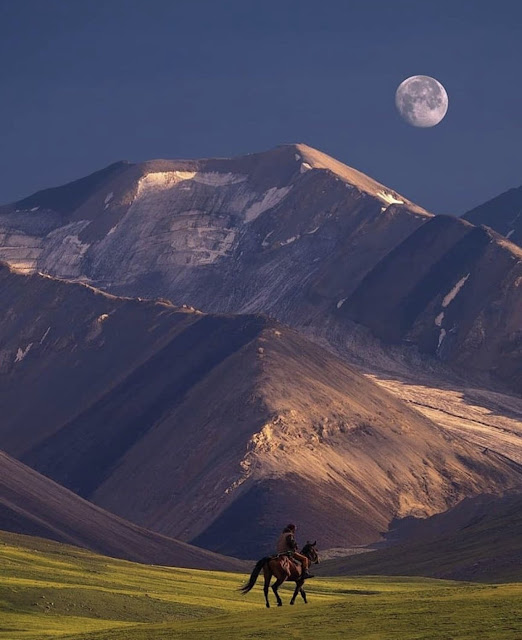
(88, 82)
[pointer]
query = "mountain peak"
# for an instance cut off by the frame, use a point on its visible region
(503, 214)
(311, 158)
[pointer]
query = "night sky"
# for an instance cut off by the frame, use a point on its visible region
(87, 82)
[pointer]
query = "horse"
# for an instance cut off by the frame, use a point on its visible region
(283, 568)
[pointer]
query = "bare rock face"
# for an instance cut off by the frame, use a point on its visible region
(292, 233)
(503, 214)
(285, 232)
(216, 429)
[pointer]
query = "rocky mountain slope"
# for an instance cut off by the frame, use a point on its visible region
(216, 429)
(452, 289)
(34, 505)
(486, 418)
(292, 233)
(503, 214)
(479, 539)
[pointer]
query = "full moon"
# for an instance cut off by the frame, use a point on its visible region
(422, 101)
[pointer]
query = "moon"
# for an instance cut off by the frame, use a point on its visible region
(422, 101)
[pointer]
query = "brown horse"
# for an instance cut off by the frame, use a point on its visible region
(283, 568)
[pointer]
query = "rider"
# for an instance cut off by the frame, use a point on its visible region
(287, 543)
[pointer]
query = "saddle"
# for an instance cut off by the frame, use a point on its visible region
(287, 561)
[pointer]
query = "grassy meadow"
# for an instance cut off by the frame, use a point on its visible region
(54, 591)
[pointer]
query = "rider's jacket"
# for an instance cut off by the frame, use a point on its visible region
(286, 542)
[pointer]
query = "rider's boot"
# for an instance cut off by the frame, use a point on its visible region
(305, 573)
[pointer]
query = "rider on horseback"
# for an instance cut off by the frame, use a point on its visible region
(286, 543)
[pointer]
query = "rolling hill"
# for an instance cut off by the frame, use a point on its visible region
(31, 504)
(53, 590)
(479, 539)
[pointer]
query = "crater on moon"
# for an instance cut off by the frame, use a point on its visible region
(422, 101)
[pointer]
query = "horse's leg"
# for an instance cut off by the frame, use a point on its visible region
(268, 575)
(298, 585)
(303, 594)
(275, 587)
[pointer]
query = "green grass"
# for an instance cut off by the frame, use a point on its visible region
(54, 591)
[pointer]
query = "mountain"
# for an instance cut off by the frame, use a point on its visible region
(503, 214)
(34, 505)
(216, 429)
(289, 232)
(479, 539)
(452, 289)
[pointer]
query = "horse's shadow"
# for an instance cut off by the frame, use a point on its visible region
(358, 592)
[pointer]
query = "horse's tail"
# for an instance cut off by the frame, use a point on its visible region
(253, 576)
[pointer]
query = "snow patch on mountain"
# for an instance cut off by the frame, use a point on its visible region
(63, 251)
(168, 226)
(21, 251)
(21, 353)
(161, 180)
(271, 198)
(454, 292)
(264, 243)
(214, 179)
(167, 179)
(388, 197)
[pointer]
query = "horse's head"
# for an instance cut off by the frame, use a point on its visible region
(310, 551)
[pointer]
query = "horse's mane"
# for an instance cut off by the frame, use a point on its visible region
(307, 546)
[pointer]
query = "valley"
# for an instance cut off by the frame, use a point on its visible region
(212, 429)
(51, 590)
(212, 348)
(260, 294)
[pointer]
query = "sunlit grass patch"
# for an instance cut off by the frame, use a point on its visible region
(53, 591)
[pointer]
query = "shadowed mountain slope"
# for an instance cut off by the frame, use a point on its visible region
(34, 505)
(215, 429)
(479, 539)
(502, 213)
(452, 289)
